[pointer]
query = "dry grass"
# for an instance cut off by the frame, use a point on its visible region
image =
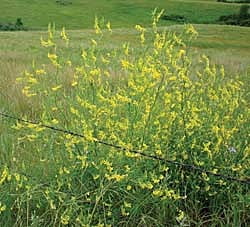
(226, 45)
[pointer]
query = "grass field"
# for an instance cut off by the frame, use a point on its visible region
(80, 14)
(227, 45)
(154, 95)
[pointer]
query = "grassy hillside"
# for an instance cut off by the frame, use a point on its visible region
(36, 14)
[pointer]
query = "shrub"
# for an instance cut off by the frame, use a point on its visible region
(173, 17)
(17, 26)
(244, 12)
(241, 19)
(234, 1)
(19, 23)
(64, 2)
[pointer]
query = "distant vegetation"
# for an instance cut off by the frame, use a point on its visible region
(234, 1)
(17, 26)
(64, 2)
(176, 18)
(241, 19)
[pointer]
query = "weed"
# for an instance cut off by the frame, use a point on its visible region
(151, 100)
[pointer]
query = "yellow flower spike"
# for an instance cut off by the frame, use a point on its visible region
(17, 126)
(97, 27)
(31, 138)
(157, 193)
(181, 53)
(190, 30)
(221, 182)
(180, 216)
(142, 37)
(100, 225)
(84, 54)
(161, 176)
(17, 177)
(48, 43)
(65, 219)
(139, 28)
(158, 16)
(96, 177)
(27, 93)
(50, 31)
(69, 63)
(74, 83)
(4, 175)
(205, 177)
(117, 177)
(55, 121)
(126, 49)
(215, 171)
(129, 187)
(127, 168)
(207, 149)
(142, 31)
(94, 58)
(104, 60)
(207, 188)
(126, 64)
(108, 25)
(52, 205)
(106, 73)
(2, 207)
(74, 111)
(156, 74)
(65, 170)
(56, 88)
(123, 211)
(147, 185)
(61, 171)
(64, 36)
(40, 72)
(237, 167)
(52, 57)
(127, 205)
(94, 42)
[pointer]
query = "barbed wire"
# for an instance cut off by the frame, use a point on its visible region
(137, 152)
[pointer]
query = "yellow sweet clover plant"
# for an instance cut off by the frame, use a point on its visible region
(152, 98)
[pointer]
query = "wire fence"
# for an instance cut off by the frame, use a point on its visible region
(185, 166)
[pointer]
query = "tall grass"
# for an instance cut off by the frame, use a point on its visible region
(152, 100)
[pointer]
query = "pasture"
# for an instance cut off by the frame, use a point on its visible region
(123, 14)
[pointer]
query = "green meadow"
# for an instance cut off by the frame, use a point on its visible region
(171, 91)
(80, 14)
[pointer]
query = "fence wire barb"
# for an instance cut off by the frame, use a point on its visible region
(138, 152)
